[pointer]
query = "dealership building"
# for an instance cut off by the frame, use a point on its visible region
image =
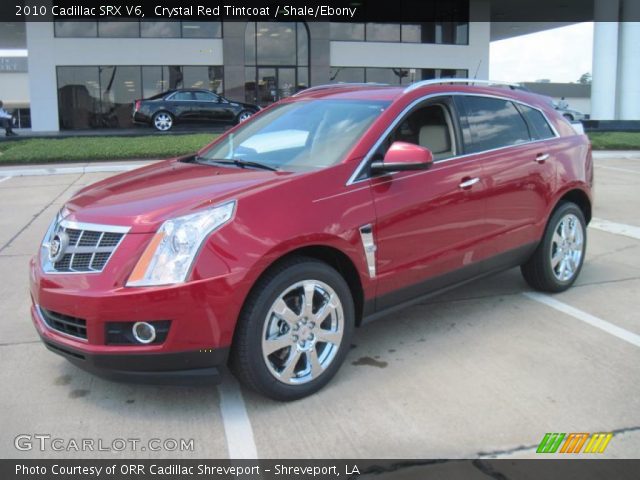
(86, 74)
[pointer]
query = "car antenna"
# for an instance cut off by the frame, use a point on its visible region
(477, 69)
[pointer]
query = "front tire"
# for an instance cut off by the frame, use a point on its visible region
(558, 260)
(294, 330)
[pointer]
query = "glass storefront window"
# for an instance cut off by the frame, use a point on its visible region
(276, 60)
(152, 81)
(383, 32)
(391, 76)
(346, 75)
(102, 97)
(75, 29)
(276, 43)
(208, 78)
(159, 29)
(347, 31)
(78, 96)
(454, 33)
(201, 29)
(141, 28)
(119, 86)
(411, 33)
(119, 29)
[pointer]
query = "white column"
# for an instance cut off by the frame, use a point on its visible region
(605, 61)
(43, 90)
(628, 91)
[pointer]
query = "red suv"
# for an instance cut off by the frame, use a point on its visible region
(328, 209)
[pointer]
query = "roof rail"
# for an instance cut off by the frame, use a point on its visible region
(471, 81)
(339, 85)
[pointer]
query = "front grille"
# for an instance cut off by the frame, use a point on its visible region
(87, 251)
(76, 327)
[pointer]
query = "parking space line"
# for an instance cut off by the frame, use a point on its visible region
(237, 426)
(4, 179)
(626, 170)
(585, 317)
(45, 171)
(630, 231)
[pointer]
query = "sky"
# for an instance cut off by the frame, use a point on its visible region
(560, 55)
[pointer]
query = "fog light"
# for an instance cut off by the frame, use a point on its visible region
(144, 332)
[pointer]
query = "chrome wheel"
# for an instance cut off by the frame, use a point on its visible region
(567, 247)
(243, 116)
(163, 121)
(302, 332)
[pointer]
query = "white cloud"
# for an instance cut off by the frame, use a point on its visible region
(561, 55)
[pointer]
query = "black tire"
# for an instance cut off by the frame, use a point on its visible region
(539, 271)
(243, 116)
(247, 361)
(156, 123)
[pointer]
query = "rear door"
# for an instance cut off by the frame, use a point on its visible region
(428, 222)
(518, 168)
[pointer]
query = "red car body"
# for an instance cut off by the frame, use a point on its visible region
(430, 233)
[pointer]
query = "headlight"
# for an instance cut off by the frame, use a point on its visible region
(170, 254)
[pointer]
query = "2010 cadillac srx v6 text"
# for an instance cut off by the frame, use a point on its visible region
(332, 207)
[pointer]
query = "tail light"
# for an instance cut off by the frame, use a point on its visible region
(137, 105)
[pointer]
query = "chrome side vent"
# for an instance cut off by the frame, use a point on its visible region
(368, 243)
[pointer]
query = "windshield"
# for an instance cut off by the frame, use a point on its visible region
(299, 136)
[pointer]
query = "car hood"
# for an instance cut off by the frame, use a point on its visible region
(143, 198)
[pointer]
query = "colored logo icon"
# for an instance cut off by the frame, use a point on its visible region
(574, 443)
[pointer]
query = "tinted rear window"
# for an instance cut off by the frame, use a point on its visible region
(493, 123)
(538, 125)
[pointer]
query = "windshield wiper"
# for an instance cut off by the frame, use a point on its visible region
(238, 162)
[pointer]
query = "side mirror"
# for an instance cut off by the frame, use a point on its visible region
(403, 156)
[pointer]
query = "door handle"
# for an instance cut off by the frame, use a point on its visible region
(469, 183)
(542, 157)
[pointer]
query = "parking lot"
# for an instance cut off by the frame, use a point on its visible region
(483, 371)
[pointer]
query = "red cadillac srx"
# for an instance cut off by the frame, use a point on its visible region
(268, 247)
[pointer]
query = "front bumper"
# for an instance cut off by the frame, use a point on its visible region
(202, 317)
(178, 368)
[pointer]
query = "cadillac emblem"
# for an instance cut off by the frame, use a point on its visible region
(58, 246)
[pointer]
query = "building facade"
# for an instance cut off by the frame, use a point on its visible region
(87, 74)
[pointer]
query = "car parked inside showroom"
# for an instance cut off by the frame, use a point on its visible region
(167, 109)
(333, 207)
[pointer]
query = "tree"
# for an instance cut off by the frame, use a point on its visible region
(585, 79)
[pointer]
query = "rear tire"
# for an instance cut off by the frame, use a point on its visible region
(558, 260)
(294, 330)
(162, 121)
(243, 116)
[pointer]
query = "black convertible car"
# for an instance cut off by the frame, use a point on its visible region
(166, 109)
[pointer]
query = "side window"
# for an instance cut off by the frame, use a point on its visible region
(539, 126)
(429, 126)
(493, 123)
(182, 96)
(205, 97)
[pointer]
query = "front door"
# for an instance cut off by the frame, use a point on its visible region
(429, 223)
(275, 83)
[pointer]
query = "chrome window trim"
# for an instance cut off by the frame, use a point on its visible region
(58, 332)
(353, 179)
